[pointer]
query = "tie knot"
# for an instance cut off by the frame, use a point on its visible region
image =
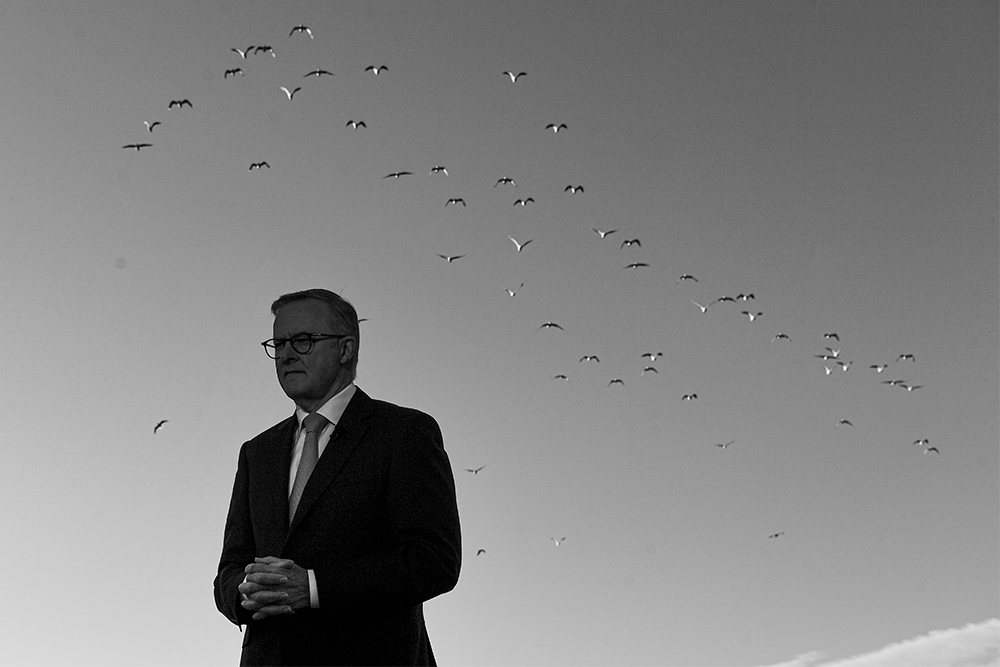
(314, 423)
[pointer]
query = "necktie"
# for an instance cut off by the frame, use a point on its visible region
(313, 425)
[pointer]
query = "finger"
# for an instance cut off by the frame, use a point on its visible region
(266, 559)
(273, 610)
(265, 599)
(267, 579)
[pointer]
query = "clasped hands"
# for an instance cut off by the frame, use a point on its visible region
(274, 587)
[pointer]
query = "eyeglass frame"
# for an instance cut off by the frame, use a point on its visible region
(311, 337)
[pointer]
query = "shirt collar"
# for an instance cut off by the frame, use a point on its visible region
(334, 408)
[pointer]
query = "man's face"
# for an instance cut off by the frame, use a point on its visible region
(310, 379)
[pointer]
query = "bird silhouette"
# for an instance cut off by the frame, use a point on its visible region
(687, 276)
(773, 535)
(921, 442)
(455, 200)
(911, 387)
(397, 174)
(628, 243)
(649, 369)
(480, 552)
(845, 422)
(513, 292)
(557, 541)
(560, 377)
(291, 93)
(242, 54)
(556, 128)
(159, 425)
(439, 170)
(894, 382)
(523, 202)
(879, 367)
(475, 471)
(652, 356)
(932, 449)
(301, 28)
(179, 103)
(505, 181)
(137, 147)
(602, 234)
(263, 49)
(318, 73)
(752, 316)
(724, 445)
(703, 308)
(589, 357)
(520, 246)
(831, 336)
(745, 297)
(573, 189)
(514, 77)
(636, 265)
(689, 397)
(355, 124)
(780, 336)
(617, 381)
(375, 70)
(550, 325)
(451, 258)
(259, 165)
(150, 126)
(233, 72)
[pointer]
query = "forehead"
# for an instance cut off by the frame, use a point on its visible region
(303, 315)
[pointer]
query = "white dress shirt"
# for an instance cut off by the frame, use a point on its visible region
(333, 410)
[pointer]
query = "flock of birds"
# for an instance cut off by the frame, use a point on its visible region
(831, 356)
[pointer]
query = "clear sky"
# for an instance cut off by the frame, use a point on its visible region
(837, 160)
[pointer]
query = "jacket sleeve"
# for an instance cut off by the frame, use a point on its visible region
(425, 543)
(237, 548)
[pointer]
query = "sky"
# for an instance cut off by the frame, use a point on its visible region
(836, 160)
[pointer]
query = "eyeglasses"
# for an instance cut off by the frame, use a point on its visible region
(302, 343)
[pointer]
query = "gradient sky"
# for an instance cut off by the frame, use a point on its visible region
(839, 160)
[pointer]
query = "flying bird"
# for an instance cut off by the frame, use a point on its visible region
(301, 28)
(602, 234)
(894, 382)
(827, 369)
(520, 245)
(573, 189)
(703, 308)
(724, 445)
(355, 124)
(318, 73)
(652, 356)
(243, 54)
(780, 336)
(635, 265)
(451, 258)
(397, 174)
(629, 243)
(752, 316)
(844, 365)
(687, 276)
(723, 299)
(179, 103)
(233, 72)
(455, 200)
(906, 357)
(150, 126)
(475, 471)
(879, 367)
(523, 202)
(550, 325)
(773, 535)
(259, 165)
(589, 357)
(559, 541)
(480, 552)
(291, 93)
(617, 381)
(265, 49)
(513, 292)
(911, 387)
(921, 442)
(648, 369)
(505, 181)
(745, 297)
(932, 449)
(375, 70)
(556, 128)
(159, 425)
(831, 336)
(560, 377)
(845, 422)
(137, 147)
(689, 397)
(439, 170)
(514, 77)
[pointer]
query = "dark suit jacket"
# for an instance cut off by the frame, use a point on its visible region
(378, 524)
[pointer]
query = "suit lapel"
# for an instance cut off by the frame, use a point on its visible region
(348, 432)
(274, 464)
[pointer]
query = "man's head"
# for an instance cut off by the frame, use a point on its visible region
(311, 378)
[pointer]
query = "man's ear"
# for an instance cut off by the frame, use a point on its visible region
(349, 349)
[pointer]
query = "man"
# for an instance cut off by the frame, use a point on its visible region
(340, 526)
